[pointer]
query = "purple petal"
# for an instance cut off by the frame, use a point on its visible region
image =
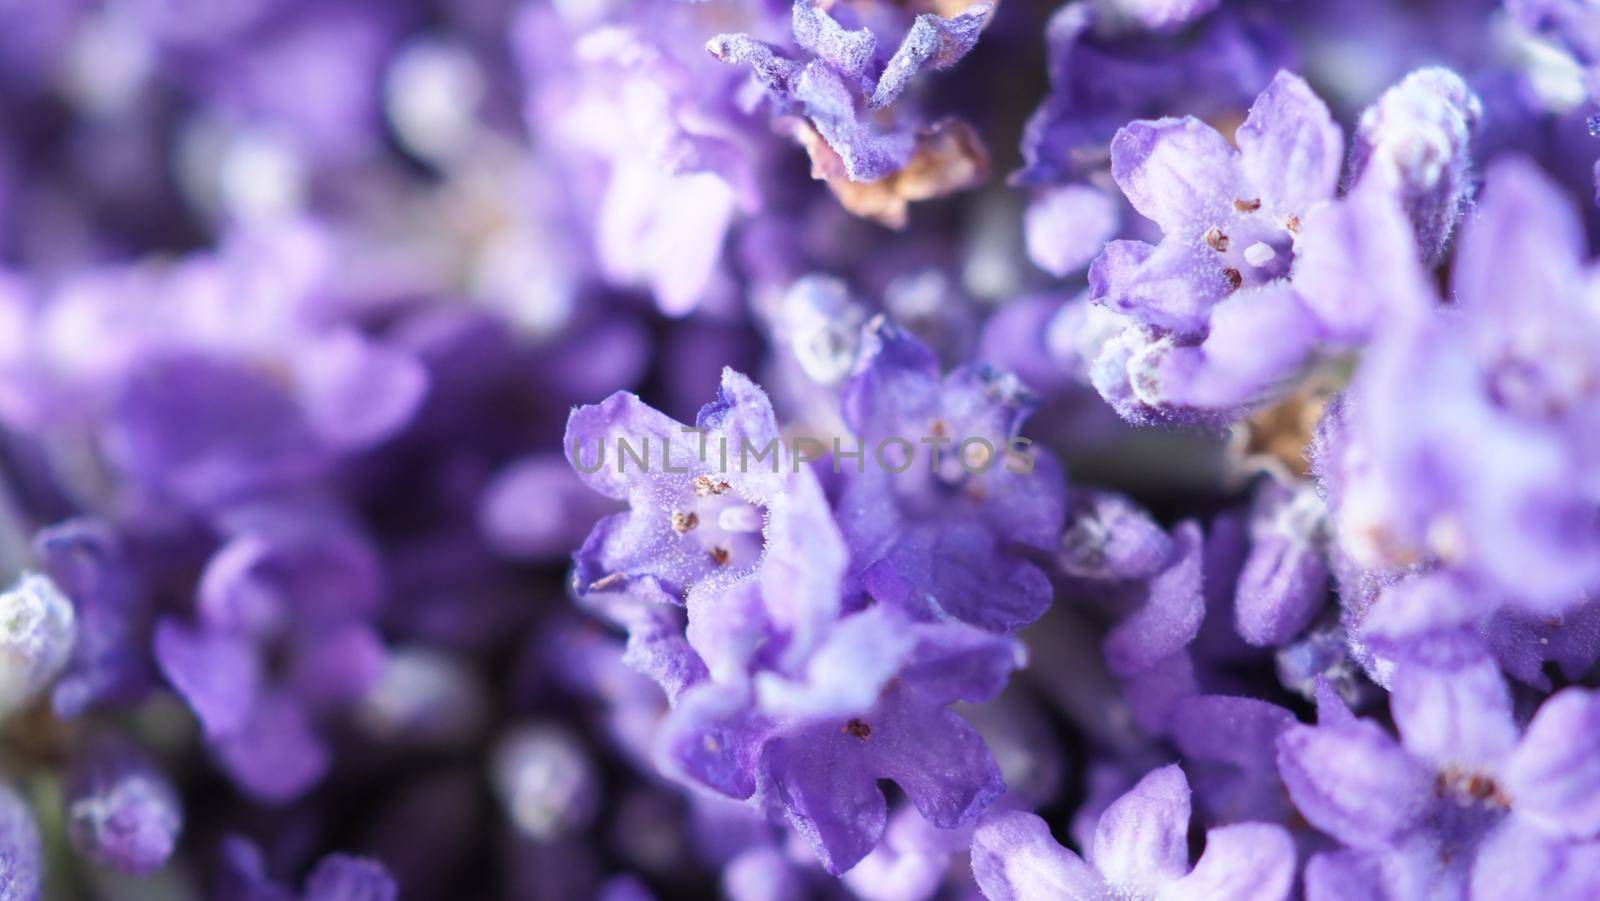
(1014, 858)
(711, 737)
(1141, 843)
(1291, 150)
(357, 392)
(1178, 172)
(1243, 862)
(1344, 876)
(1173, 609)
(954, 662)
(851, 52)
(218, 675)
(1354, 782)
(938, 760)
(591, 443)
(275, 756)
(208, 431)
(1521, 862)
(1108, 537)
(1454, 712)
(1171, 287)
(1415, 143)
(1284, 582)
(1065, 228)
(959, 570)
(1346, 248)
(830, 795)
(121, 811)
(537, 509)
(933, 42)
(339, 665)
(1154, 694)
(867, 153)
(1553, 776)
(92, 566)
(1526, 240)
(1259, 341)
(1240, 731)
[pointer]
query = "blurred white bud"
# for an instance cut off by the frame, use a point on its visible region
(546, 782)
(37, 631)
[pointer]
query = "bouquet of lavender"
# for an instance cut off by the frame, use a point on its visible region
(857, 449)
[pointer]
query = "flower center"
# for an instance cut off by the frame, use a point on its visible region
(721, 524)
(1252, 248)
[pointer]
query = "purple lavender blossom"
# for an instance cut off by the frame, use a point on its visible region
(945, 532)
(1201, 302)
(1461, 800)
(1140, 847)
(723, 517)
(870, 704)
(1496, 359)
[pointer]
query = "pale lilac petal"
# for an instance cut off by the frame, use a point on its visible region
(1356, 266)
(1454, 712)
(1260, 340)
(1344, 876)
(1243, 862)
(1522, 862)
(1291, 149)
(1141, 843)
(1525, 240)
(1553, 777)
(1065, 228)
(1178, 172)
(1354, 782)
(1171, 287)
(1014, 858)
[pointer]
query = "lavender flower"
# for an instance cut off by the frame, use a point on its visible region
(721, 515)
(870, 704)
(945, 533)
(1461, 800)
(1498, 360)
(1204, 299)
(831, 97)
(1140, 848)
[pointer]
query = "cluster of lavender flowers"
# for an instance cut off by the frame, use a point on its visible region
(879, 449)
